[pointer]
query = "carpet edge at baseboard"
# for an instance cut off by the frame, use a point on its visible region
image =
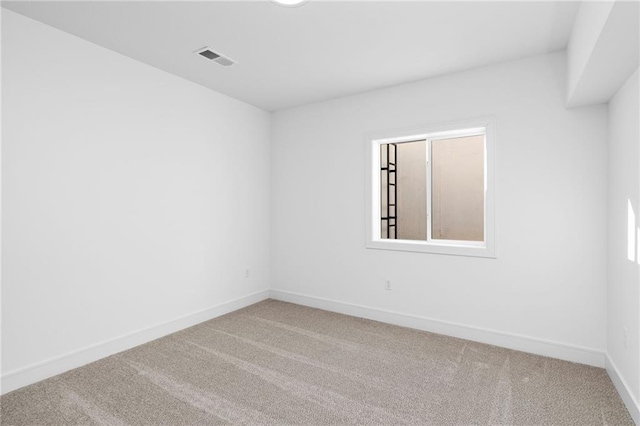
(581, 355)
(33, 373)
(623, 389)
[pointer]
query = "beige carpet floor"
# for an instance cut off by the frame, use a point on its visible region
(276, 363)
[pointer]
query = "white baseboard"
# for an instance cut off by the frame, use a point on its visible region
(588, 356)
(632, 403)
(34, 373)
(25, 376)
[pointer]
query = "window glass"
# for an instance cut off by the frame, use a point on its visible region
(455, 185)
(457, 194)
(431, 189)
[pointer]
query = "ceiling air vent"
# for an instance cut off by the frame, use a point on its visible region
(216, 57)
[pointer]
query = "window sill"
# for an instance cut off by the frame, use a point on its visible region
(454, 248)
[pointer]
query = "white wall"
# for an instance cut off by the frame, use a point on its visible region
(590, 19)
(549, 280)
(623, 297)
(603, 50)
(131, 197)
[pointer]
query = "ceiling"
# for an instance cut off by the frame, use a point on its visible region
(321, 50)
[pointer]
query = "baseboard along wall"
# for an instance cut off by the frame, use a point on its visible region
(632, 403)
(518, 342)
(522, 343)
(16, 379)
(34, 373)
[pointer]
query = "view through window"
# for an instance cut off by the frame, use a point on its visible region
(433, 189)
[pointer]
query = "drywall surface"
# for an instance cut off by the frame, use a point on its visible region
(589, 22)
(549, 279)
(603, 51)
(623, 296)
(131, 197)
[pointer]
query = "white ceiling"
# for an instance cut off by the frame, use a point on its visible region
(321, 50)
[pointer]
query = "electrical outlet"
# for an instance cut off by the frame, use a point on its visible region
(387, 285)
(246, 273)
(625, 337)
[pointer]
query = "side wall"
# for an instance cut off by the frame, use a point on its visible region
(546, 289)
(623, 298)
(131, 198)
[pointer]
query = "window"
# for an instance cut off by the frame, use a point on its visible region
(431, 189)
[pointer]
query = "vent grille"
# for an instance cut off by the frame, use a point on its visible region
(216, 57)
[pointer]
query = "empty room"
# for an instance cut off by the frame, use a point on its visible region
(318, 212)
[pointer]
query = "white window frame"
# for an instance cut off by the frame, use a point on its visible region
(486, 248)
